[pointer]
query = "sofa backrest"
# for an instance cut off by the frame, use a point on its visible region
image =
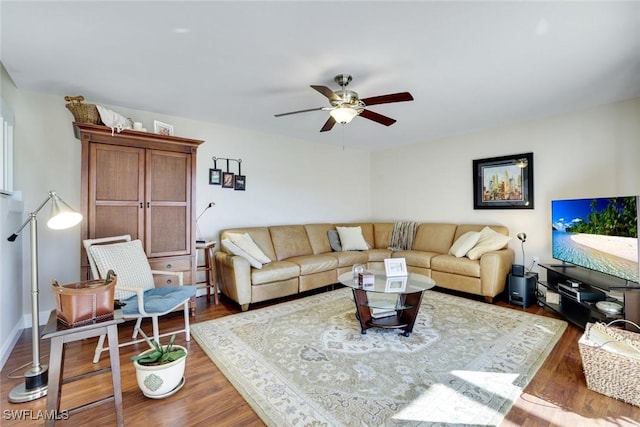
(382, 234)
(260, 235)
(464, 228)
(434, 237)
(318, 237)
(289, 241)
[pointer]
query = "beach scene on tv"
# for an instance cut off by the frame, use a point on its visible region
(600, 234)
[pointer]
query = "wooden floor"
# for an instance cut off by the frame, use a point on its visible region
(557, 396)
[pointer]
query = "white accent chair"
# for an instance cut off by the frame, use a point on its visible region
(135, 287)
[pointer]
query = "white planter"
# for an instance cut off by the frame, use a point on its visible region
(161, 381)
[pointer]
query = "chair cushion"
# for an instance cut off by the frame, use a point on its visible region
(160, 300)
(128, 261)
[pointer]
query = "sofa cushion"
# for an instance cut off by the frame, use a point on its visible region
(378, 255)
(234, 249)
(246, 243)
(349, 258)
(450, 264)
(289, 241)
(416, 258)
(489, 241)
(351, 239)
(464, 244)
(318, 237)
(314, 263)
(434, 237)
(274, 272)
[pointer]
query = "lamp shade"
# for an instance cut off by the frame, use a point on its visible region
(343, 115)
(62, 215)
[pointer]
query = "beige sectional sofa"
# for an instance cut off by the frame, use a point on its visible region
(301, 259)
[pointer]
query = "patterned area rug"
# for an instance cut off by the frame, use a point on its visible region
(305, 362)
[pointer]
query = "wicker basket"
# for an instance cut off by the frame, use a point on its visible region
(612, 374)
(82, 113)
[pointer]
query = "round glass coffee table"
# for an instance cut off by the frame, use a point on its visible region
(384, 313)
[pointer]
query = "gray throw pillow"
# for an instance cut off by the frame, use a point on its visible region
(334, 240)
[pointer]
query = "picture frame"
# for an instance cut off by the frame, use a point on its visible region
(227, 179)
(162, 128)
(395, 267)
(239, 182)
(503, 182)
(215, 177)
(396, 284)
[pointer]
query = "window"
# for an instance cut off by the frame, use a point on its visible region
(6, 146)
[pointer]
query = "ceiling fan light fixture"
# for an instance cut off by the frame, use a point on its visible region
(343, 115)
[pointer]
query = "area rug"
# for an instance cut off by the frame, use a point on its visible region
(305, 362)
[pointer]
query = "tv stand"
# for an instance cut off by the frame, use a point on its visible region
(577, 304)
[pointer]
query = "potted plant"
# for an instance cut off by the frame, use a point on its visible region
(160, 370)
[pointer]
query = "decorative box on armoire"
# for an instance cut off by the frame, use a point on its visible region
(142, 184)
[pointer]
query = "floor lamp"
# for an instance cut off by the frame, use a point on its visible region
(36, 378)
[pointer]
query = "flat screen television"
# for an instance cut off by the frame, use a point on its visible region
(599, 234)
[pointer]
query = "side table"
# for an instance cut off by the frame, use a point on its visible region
(209, 267)
(61, 335)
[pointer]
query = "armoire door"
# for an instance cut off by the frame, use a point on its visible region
(168, 204)
(116, 191)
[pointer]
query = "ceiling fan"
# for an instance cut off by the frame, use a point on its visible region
(345, 104)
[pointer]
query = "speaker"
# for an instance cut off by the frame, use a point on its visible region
(522, 290)
(632, 309)
(517, 270)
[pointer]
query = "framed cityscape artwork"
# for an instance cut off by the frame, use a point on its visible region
(503, 182)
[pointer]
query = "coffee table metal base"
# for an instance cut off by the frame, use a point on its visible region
(403, 319)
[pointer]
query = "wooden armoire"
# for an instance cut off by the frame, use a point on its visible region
(142, 184)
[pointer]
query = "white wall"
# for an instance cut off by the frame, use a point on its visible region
(589, 153)
(11, 217)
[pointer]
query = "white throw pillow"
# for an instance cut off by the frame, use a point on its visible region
(464, 244)
(489, 241)
(351, 239)
(246, 243)
(231, 247)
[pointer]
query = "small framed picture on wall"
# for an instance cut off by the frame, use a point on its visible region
(215, 177)
(227, 179)
(240, 182)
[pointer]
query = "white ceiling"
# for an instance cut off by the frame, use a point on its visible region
(469, 65)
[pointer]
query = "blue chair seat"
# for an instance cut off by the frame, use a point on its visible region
(159, 300)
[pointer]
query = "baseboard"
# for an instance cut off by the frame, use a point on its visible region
(9, 344)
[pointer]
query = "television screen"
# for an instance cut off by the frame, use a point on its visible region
(600, 234)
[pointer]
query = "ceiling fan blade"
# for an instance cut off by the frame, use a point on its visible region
(328, 125)
(299, 111)
(327, 92)
(386, 99)
(379, 118)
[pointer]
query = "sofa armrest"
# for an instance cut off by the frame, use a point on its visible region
(494, 269)
(235, 277)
